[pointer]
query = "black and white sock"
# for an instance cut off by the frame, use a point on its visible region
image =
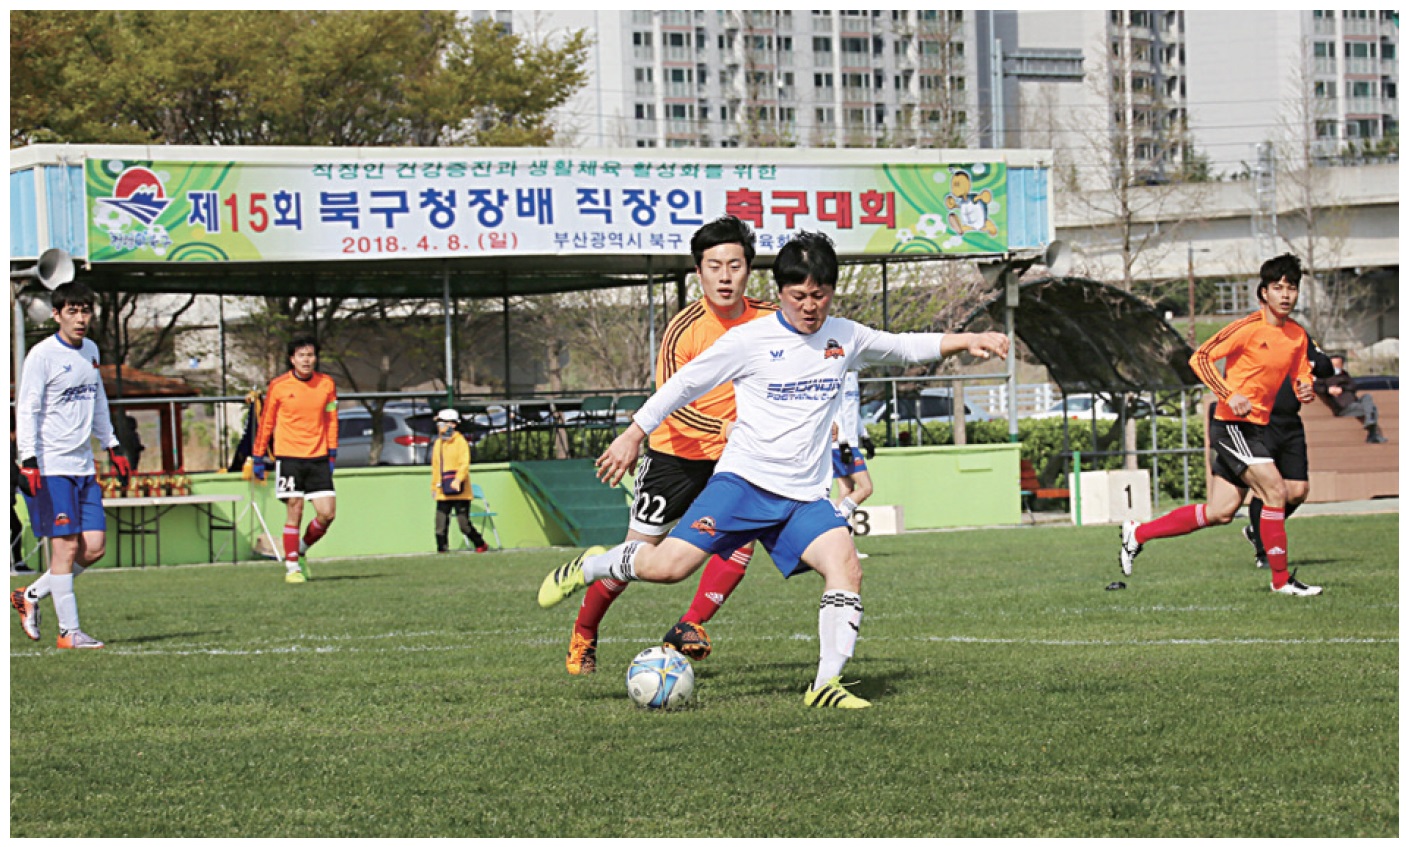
(840, 614)
(617, 563)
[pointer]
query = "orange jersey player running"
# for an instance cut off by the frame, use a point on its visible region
(300, 416)
(1260, 352)
(684, 449)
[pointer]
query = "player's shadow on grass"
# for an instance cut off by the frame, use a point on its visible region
(168, 636)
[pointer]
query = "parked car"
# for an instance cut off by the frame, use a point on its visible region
(929, 406)
(1082, 407)
(408, 431)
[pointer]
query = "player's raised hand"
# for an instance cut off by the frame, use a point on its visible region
(620, 457)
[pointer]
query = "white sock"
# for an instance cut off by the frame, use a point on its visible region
(847, 507)
(41, 587)
(840, 614)
(65, 601)
(617, 563)
(291, 565)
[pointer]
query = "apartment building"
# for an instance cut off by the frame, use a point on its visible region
(1157, 83)
(777, 77)
(1324, 77)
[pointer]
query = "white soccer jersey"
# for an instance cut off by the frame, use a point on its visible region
(788, 388)
(847, 418)
(62, 406)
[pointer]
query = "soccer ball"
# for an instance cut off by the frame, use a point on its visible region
(660, 678)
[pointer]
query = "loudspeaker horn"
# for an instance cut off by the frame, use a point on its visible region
(1057, 258)
(54, 268)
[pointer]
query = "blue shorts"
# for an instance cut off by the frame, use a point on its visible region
(67, 505)
(731, 512)
(841, 469)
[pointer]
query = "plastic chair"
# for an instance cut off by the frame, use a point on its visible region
(625, 409)
(485, 511)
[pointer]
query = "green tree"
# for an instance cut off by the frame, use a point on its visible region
(336, 78)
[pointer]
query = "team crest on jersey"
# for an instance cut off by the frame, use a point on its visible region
(61, 519)
(706, 524)
(833, 350)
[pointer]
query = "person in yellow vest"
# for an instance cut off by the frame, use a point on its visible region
(452, 491)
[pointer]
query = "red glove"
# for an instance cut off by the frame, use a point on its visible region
(120, 465)
(29, 471)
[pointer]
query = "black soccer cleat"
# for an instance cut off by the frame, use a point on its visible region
(689, 639)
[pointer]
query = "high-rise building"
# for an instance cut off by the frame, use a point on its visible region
(779, 77)
(1143, 88)
(1321, 78)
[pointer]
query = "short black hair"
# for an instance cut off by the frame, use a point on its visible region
(71, 294)
(300, 342)
(806, 255)
(727, 229)
(1285, 266)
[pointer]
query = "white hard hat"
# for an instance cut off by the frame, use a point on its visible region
(447, 416)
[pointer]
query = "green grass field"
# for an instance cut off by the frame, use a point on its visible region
(1014, 696)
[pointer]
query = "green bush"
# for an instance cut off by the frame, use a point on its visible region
(1042, 443)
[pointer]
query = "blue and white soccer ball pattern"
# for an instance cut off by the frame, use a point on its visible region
(660, 678)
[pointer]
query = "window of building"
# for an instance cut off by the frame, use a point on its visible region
(825, 80)
(854, 80)
(821, 44)
(1325, 129)
(644, 74)
(644, 111)
(1388, 50)
(1325, 89)
(644, 39)
(854, 45)
(677, 39)
(1364, 89)
(825, 116)
(1324, 50)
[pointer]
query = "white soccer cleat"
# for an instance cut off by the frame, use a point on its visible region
(1298, 589)
(1130, 547)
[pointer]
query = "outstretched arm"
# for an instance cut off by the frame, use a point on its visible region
(982, 345)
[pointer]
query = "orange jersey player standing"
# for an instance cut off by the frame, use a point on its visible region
(684, 449)
(1260, 352)
(300, 419)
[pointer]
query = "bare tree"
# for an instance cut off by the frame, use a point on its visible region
(1310, 225)
(1123, 174)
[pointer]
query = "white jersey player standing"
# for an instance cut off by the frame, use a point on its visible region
(773, 479)
(61, 406)
(851, 473)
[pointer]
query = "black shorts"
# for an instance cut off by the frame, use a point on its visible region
(1285, 440)
(305, 478)
(1238, 445)
(664, 489)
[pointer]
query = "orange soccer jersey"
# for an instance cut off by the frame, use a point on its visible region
(1258, 356)
(300, 416)
(696, 430)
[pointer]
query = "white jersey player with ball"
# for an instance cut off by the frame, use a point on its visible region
(773, 478)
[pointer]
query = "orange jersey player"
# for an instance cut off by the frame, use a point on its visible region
(1260, 351)
(684, 449)
(300, 418)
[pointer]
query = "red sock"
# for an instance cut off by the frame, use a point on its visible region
(315, 531)
(1276, 544)
(599, 595)
(290, 542)
(719, 580)
(1176, 522)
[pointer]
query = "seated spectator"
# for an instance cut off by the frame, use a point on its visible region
(1339, 392)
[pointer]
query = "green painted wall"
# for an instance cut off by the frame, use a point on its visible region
(390, 510)
(975, 485)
